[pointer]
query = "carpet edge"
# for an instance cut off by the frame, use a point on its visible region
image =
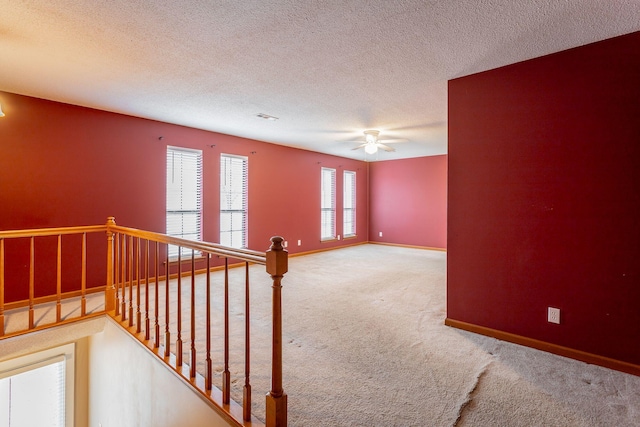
(559, 350)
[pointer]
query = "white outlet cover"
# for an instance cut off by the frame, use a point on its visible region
(380, 234)
(553, 315)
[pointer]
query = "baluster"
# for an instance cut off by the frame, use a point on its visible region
(1, 287)
(277, 266)
(109, 292)
(226, 375)
(130, 251)
(146, 294)
(167, 333)
(123, 276)
(156, 342)
(192, 370)
(59, 280)
(138, 279)
(116, 268)
(208, 372)
(179, 313)
(246, 400)
(31, 281)
(83, 282)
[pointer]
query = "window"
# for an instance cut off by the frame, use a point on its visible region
(184, 195)
(349, 204)
(328, 204)
(38, 389)
(233, 201)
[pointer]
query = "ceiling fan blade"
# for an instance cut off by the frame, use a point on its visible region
(393, 141)
(421, 126)
(385, 147)
(359, 146)
(354, 139)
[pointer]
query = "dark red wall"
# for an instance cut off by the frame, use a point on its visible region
(63, 165)
(409, 201)
(544, 198)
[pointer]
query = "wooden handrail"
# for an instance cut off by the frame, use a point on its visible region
(212, 248)
(39, 232)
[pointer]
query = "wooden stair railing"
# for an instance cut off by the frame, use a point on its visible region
(31, 236)
(136, 261)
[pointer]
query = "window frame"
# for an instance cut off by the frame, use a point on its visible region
(349, 204)
(195, 156)
(225, 205)
(329, 223)
(64, 353)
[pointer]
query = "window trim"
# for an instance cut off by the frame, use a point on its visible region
(245, 201)
(353, 203)
(331, 208)
(66, 353)
(173, 253)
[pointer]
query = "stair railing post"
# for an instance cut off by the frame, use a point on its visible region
(110, 292)
(277, 265)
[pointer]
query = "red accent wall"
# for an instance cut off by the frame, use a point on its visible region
(544, 198)
(64, 165)
(409, 201)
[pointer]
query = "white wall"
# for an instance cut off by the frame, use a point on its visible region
(130, 387)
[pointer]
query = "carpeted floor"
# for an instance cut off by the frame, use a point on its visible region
(365, 345)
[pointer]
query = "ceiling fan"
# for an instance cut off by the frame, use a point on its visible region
(372, 143)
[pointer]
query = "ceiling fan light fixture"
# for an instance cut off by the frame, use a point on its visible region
(371, 136)
(371, 148)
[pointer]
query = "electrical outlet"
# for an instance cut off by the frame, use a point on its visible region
(285, 244)
(299, 242)
(380, 234)
(553, 315)
(338, 237)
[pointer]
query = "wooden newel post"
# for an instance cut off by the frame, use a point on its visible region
(110, 291)
(277, 265)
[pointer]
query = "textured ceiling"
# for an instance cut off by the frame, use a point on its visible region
(327, 69)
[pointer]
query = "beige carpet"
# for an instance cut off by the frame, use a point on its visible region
(365, 345)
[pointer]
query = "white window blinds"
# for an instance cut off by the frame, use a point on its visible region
(349, 204)
(328, 204)
(184, 195)
(233, 200)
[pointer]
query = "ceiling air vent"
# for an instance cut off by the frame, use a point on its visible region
(267, 117)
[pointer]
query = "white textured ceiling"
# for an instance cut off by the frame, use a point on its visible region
(327, 69)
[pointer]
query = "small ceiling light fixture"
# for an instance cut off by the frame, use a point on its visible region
(370, 148)
(266, 117)
(371, 137)
(1, 113)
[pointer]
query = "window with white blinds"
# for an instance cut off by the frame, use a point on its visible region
(184, 195)
(233, 200)
(349, 204)
(328, 204)
(38, 389)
